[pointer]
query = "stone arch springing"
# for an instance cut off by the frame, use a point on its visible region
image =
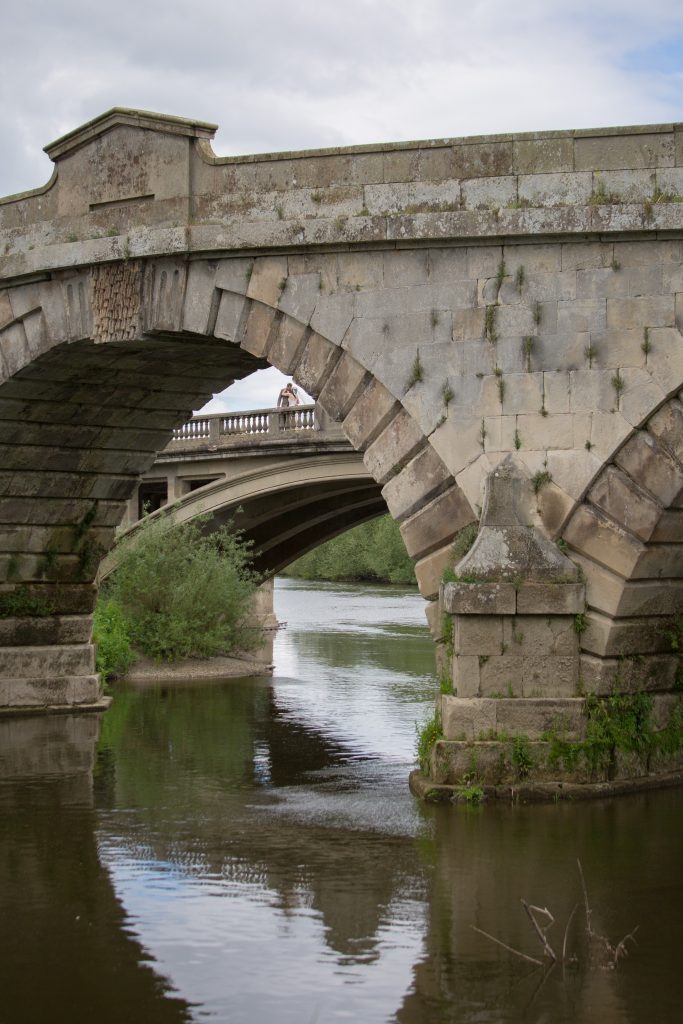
(627, 535)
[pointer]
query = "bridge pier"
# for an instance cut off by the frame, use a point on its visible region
(521, 707)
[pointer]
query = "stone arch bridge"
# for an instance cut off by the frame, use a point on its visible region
(501, 309)
(288, 478)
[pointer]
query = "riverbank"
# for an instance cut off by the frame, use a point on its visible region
(238, 665)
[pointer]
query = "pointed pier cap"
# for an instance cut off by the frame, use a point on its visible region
(508, 547)
(104, 123)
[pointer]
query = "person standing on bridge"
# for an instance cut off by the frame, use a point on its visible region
(288, 396)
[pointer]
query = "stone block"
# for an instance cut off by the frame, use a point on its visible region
(466, 675)
(630, 186)
(421, 479)
(468, 324)
(370, 414)
(401, 269)
(394, 447)
(343, 386)
(543, 155)
(401, 165)
(315, 364)
(667, 426)
(200, 297)
(534, 717)
(641, 252)
(618, 496)
(650, 673)
(543, 432)
(231, 310)
(287, 345)
(607, 637)
(665, 359)
(501, 675)
(670, 527)
(651, 467)
(265, 283)
(592, 534)
(333, 315)
(551, 598)
(429, 571)
(50, 630)
(358, 271)
(546, 676)
(483, 260)
(437, 523)
(632, 150)
(83, 689)
(300, 295)
(482, 159)
(479, 598)
(536, 635)
(6, 312)
(259, 329)
(467, 718)
(663, 707)
(234, 275)
(584, 255)
(47, 661)
(477, 634)
(643, 311)
(600, 283)
(489, 193)
(523, 393)
(661, 561)
(435, 619)
(592, 390)
(556, 188)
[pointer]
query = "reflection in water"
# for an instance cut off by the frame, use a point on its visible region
(64, 946)
(273, 866)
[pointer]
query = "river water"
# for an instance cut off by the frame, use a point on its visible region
(248, 851)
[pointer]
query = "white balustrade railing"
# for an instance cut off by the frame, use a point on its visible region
(259, 422)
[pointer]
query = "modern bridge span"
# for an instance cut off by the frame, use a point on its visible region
(494, 322)
(287, 478)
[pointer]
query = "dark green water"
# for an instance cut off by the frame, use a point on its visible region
(249, 852)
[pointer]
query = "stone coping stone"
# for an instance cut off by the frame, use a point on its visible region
(479, 598)
(503, 598)
(102, 704)
(551, 598)
(544, 792)
(475, 718)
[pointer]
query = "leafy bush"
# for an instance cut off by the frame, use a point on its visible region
(110, 633)
(185, 592)
(374, 551)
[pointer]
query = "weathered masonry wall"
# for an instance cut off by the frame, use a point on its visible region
(469, 310)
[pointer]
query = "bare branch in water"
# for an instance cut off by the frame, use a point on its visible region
(531, 959)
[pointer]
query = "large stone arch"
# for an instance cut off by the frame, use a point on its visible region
(99, 366)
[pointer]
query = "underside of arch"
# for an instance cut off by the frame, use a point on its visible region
(98, 369)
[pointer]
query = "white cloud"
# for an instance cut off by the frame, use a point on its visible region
(258, 391)
(298, 75)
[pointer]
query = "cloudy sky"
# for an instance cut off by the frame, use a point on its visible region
(309, 73)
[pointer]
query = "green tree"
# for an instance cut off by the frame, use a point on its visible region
(184, 591)
(373, 551)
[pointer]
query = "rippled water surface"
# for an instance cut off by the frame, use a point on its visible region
(248, 851)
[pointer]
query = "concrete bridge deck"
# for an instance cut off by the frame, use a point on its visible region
(287, 478)
(467, 309)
